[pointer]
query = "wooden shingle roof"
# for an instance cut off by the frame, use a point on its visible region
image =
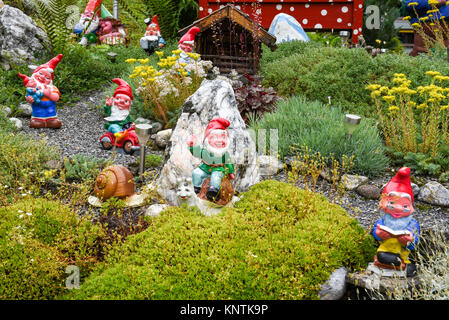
(237, 16)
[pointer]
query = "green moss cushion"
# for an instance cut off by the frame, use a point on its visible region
(279, 242)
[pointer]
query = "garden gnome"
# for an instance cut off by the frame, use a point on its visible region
(423, 12)
(89, 22)
(117, 108)
(43, 95)
(216, 161)
(152, 39)
(187, 43)
(111, 32)
(396, 230)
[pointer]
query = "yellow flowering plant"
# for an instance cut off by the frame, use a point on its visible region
(166, 86)
(409, 126)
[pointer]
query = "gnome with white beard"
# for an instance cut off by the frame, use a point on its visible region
(216, 160)
(396, 230)
(117, 108)
(152, 39)
(43, 95)
(89, 22)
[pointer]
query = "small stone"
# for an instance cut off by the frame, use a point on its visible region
(434, 193)
(155, 210)
(6, 111)
(368, 191)
(156, 127)
(53, 164)
(335, 287)
(269, 165)
(17, 123)
(416, 189)
(351, 182)
(25, 110)
(142, 121)
(162, 138)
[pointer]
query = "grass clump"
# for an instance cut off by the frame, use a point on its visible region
(321, 129)
(38, 240)
(279, 242)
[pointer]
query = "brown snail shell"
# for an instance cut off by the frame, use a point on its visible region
(114, 181)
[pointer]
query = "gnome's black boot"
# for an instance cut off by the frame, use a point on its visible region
(197, 189)
(410, 270)
(389, 258)
(212, 193)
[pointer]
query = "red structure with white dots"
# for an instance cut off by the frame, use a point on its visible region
(314, 15)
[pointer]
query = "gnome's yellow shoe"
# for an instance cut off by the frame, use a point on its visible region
(120, 135)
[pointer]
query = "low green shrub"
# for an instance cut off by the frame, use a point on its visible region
(321, 128)
(279, 242)
(38, 240)
(82, 167)
(23, 163)
(319, 72)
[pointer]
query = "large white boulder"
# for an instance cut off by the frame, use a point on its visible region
(20, 38)
(215, 98)
(286, 28)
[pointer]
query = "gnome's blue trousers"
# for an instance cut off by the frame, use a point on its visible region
(198, 177)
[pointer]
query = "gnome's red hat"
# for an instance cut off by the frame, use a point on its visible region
(216, 124)
(400, 184)
(50, 65)
(154, 23)
(24, 78)
(92, 5)
(189, 37)
(123, 88)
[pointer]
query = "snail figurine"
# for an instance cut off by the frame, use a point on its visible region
(114, 181)
(118, 182)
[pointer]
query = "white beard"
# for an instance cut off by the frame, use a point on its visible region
(395, 223)
(117, 114)
(151, 38)
(217, 152)
(40, 85)
(93, 26)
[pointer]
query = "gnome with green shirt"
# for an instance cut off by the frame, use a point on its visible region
(216, 160)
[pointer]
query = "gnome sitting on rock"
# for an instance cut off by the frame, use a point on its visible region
(117, 108)
(396, 230)
(43, 95)
(215, 157)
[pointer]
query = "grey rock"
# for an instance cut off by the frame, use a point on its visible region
(434, 193)
(269, 165)
(215, 98)
(351, 182)
(25, 110)
(368, 191)
(53, 164)
(156, 127)
(21, 39)
(17, 123)
(162, 138)
(416, 189)
(142, 121)
(155, 210)
(335, 287)
(6, 111)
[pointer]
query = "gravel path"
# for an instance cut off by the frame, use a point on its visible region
(83, 126)
(81, 130)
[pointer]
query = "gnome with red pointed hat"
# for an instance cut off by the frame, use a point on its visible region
(152, 39)
(89, 22)
(43, 95)
(396, 230)
(187, 44)
(215, 157)
(118, 107)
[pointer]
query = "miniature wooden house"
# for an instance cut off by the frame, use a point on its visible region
(231, 40)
